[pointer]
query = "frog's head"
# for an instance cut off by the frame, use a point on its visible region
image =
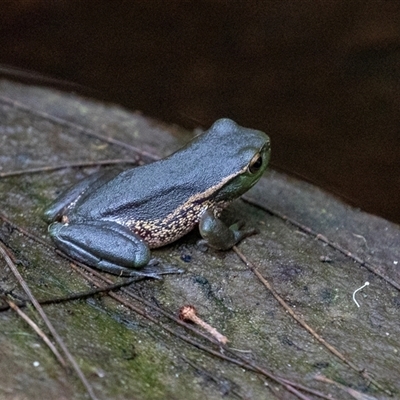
(231, 157)
(251, 149)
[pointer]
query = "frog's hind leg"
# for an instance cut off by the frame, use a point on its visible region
(108, 246)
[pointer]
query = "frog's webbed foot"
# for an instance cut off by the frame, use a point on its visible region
(155, 268)
(108, 246)
(219, 236)
(150, 270)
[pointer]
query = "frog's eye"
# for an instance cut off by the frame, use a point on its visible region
(255, 163)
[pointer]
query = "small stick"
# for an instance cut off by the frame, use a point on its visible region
(188, 313)
(354, 393)
(76, 296)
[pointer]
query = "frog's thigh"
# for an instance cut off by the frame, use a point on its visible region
(216, 233)
(102, 244)
(58, 207)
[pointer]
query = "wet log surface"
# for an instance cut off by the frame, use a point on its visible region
(315, 261)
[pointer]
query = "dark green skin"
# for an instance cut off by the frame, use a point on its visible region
(111, 220)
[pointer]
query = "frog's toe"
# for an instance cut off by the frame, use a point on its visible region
(151, 270)
(157, 269)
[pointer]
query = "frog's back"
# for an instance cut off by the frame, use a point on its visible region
(158, 203)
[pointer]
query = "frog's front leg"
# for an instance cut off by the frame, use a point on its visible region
(218, 235)
(105, 245)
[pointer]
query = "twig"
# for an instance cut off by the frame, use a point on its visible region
(49, 325)
(188, 313)
(354, 393)
(282, 302)
(77, 296)
(311, 391)
(37, 330)
(63, 166)
(211, 377)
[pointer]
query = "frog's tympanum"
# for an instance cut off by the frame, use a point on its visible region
(111, 220)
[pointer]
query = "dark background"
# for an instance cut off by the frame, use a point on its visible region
(322, 78)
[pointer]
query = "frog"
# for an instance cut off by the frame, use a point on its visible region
(112, 220)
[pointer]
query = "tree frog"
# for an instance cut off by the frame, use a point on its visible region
(111, 220)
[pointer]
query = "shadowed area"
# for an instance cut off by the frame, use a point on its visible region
(321, 78)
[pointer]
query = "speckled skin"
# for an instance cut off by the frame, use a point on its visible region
(156, 204)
